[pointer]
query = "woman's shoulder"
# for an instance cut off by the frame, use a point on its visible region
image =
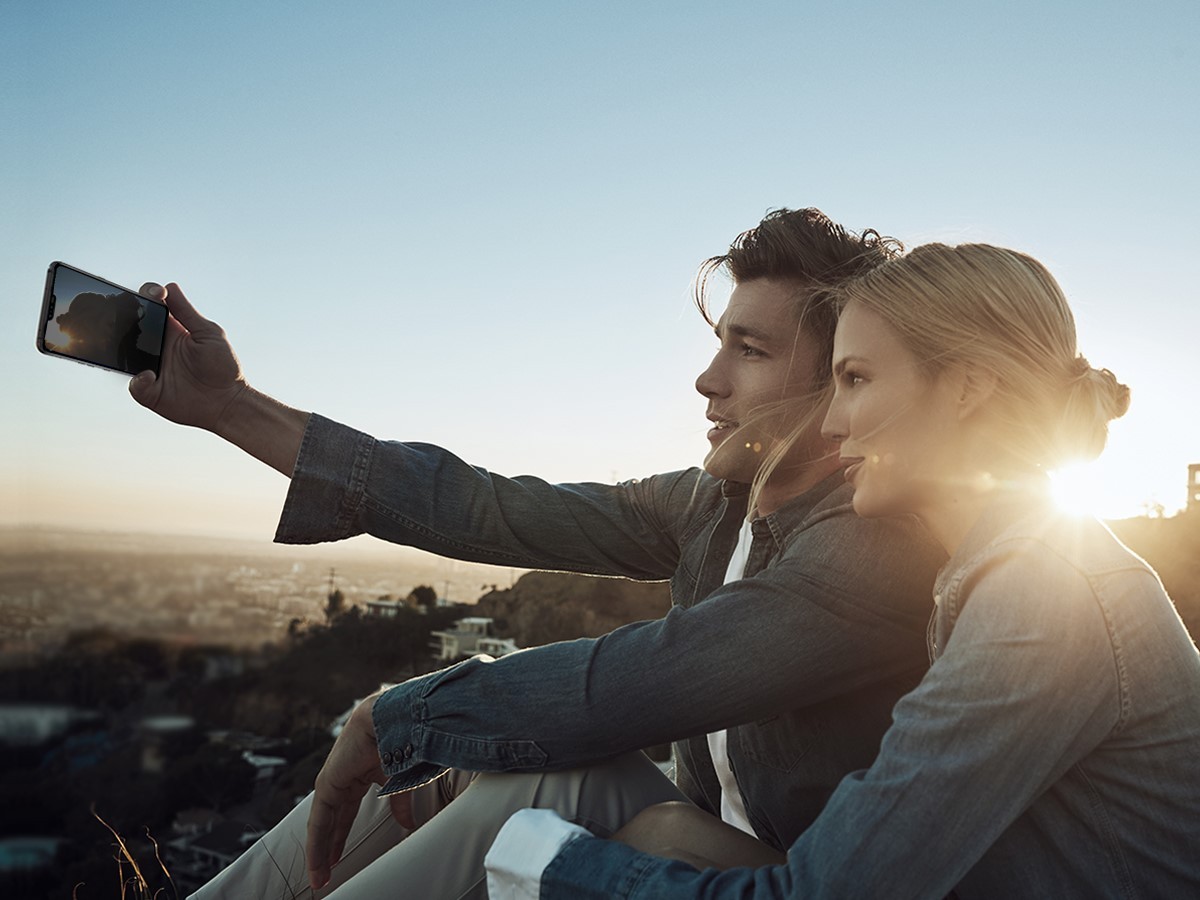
(1059, 573)
(1041, 538)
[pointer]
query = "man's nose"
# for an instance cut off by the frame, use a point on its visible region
(710, 382)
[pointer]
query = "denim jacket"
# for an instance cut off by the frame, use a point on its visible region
(804, 657)
(1053, 749)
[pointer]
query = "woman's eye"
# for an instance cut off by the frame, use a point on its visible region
(747, 350)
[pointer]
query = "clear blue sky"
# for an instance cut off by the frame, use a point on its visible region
(476, 223)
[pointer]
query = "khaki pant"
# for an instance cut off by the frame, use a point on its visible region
(443, 858)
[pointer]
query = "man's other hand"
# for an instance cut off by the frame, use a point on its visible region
(350, 770)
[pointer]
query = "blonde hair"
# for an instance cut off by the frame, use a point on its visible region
(1002, 311)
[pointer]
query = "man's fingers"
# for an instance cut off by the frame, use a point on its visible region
(328, 828)
(316, 850)
(143, 388)
(153, 291)
(182, 309)
(177, 302)
(402, 809)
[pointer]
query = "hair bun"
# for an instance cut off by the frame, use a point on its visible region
(1093, 399)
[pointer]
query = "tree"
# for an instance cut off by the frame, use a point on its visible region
(215, 776)
(335, 606)
(423, 595)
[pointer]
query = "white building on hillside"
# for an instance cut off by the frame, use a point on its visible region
(469, 637)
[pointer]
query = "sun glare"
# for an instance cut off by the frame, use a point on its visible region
(1085, 490)
(1077, 489)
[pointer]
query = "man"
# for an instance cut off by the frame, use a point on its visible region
(795, 627)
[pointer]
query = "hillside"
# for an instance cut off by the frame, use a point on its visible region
(1172, 547)
(542, 607)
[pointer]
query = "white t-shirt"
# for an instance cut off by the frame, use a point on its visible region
(733, 808)
(531, 838)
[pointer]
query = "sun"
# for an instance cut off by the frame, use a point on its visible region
(1075, 489)
(1101, 488)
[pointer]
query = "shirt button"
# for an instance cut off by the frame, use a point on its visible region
(408, 751)
(387, 759)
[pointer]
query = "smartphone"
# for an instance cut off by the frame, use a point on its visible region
(98, 323)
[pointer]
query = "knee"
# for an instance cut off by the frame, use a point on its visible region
(650, 829)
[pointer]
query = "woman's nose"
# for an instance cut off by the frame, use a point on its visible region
(833, 428)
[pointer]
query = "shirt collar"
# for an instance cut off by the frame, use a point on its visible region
(1023, 500)
(792, 513)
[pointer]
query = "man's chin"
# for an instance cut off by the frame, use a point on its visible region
(737, 463)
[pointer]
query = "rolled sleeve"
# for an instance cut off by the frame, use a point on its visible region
(589, 868)
(422, 732)
(328, 483)
(398, 728)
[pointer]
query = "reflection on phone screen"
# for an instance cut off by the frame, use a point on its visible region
(97, 322)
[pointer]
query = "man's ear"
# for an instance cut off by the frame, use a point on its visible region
(978, 384)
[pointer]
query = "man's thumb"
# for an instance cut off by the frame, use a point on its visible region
(140, 386)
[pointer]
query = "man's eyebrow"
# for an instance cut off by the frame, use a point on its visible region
(745, 331)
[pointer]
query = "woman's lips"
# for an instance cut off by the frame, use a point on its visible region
(851, 467)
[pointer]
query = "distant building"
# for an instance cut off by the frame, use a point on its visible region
(154, 732)
(339, 723)
(468, 637)
(28, 854)
(196, 858)
(32, 724)
(386, 607)
(195, 820)
(265, 767)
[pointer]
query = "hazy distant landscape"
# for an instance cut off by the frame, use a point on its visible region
(189, 688)
(198, 590)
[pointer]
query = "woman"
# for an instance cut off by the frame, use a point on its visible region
(1053, 749)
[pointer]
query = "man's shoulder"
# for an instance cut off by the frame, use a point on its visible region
(835, 509)
(689, 488)
(833, 543)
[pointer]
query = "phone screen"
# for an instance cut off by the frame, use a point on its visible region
(93, 321)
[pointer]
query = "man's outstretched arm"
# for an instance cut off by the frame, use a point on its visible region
(201, 384)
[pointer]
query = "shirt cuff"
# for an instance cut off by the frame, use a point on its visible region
(327, 484)
(523, 848)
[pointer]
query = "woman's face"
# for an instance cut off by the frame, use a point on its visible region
(899, 430)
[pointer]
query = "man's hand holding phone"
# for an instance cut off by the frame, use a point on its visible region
(200, 383)
(200, 377)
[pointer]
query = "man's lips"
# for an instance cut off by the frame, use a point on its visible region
(721, 429)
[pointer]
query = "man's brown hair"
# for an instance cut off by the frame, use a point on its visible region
(806, 248)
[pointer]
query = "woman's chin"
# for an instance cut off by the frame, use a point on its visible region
(868, 506)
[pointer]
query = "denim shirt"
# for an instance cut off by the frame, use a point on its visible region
(1053, 749)
(803, 659)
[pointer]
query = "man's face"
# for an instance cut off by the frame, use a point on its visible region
(763, 359)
